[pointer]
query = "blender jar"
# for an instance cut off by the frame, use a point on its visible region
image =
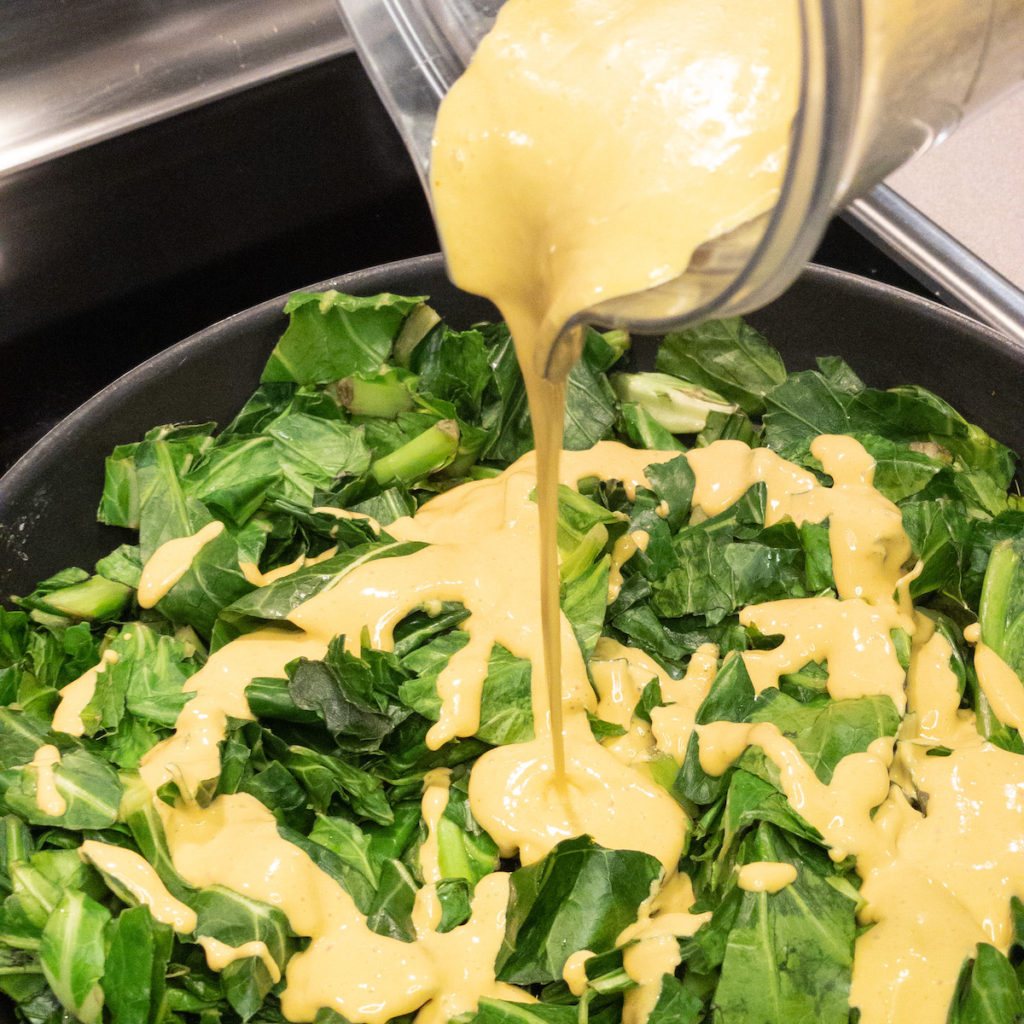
(882, 80)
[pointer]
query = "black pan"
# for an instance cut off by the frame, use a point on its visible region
(48, 499)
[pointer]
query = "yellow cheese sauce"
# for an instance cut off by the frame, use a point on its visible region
(344, 513)
(935, 884)
(599, 192)
(998, 681)
(135, 874)
(220, 955)
(76, 695)
(619, 675)
(347, 967)
(672, 724)
(171, 561)
(690, 130)
(252, 573)
(574, 973)
(852, 636)
(48, 798)
(427, 911)
(765, 876)
(651, 946)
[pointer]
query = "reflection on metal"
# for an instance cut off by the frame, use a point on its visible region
(74, 73)
(938, 260)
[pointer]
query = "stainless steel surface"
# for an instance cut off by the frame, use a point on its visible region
(938, 260)
(972, 185)
(73, 72)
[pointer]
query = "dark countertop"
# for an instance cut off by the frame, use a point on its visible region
(111, 254)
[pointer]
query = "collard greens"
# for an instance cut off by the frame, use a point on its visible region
(370, 404)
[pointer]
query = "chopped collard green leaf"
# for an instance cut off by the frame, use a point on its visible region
(367, 409)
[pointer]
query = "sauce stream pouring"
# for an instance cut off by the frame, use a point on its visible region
(553, 197)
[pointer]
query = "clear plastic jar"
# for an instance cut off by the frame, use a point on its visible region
(882, 81)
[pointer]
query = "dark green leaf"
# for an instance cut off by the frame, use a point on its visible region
(695, 785)
(1001, 611)
(453, 366)
(464, 849)
(21, 735)
(454, 896)
(731, 698)
(905, 413)
(506, 713)
(146, 680)
(390, 911)
(839, 374)
(350, 694)
(123, 564)
(213, 578)
(236, 476)
(589, 408)
(900, 471)
(789, 953)
(331, 336)
(506, 413)
(802, 407)
(235, 920)
(271, 698)
(750, 800)
(499, 1011)
(673, 483)
(727, 356)
(580, 896)
(119, 503)
(939, 530)
(676, 1004)
(824, 732)
(345, 838)
(325, 778)
(735, 426)
(133, 978)
(983, 535)
(311, 452)
(817, 557)
(584, 602)
(988, 991)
